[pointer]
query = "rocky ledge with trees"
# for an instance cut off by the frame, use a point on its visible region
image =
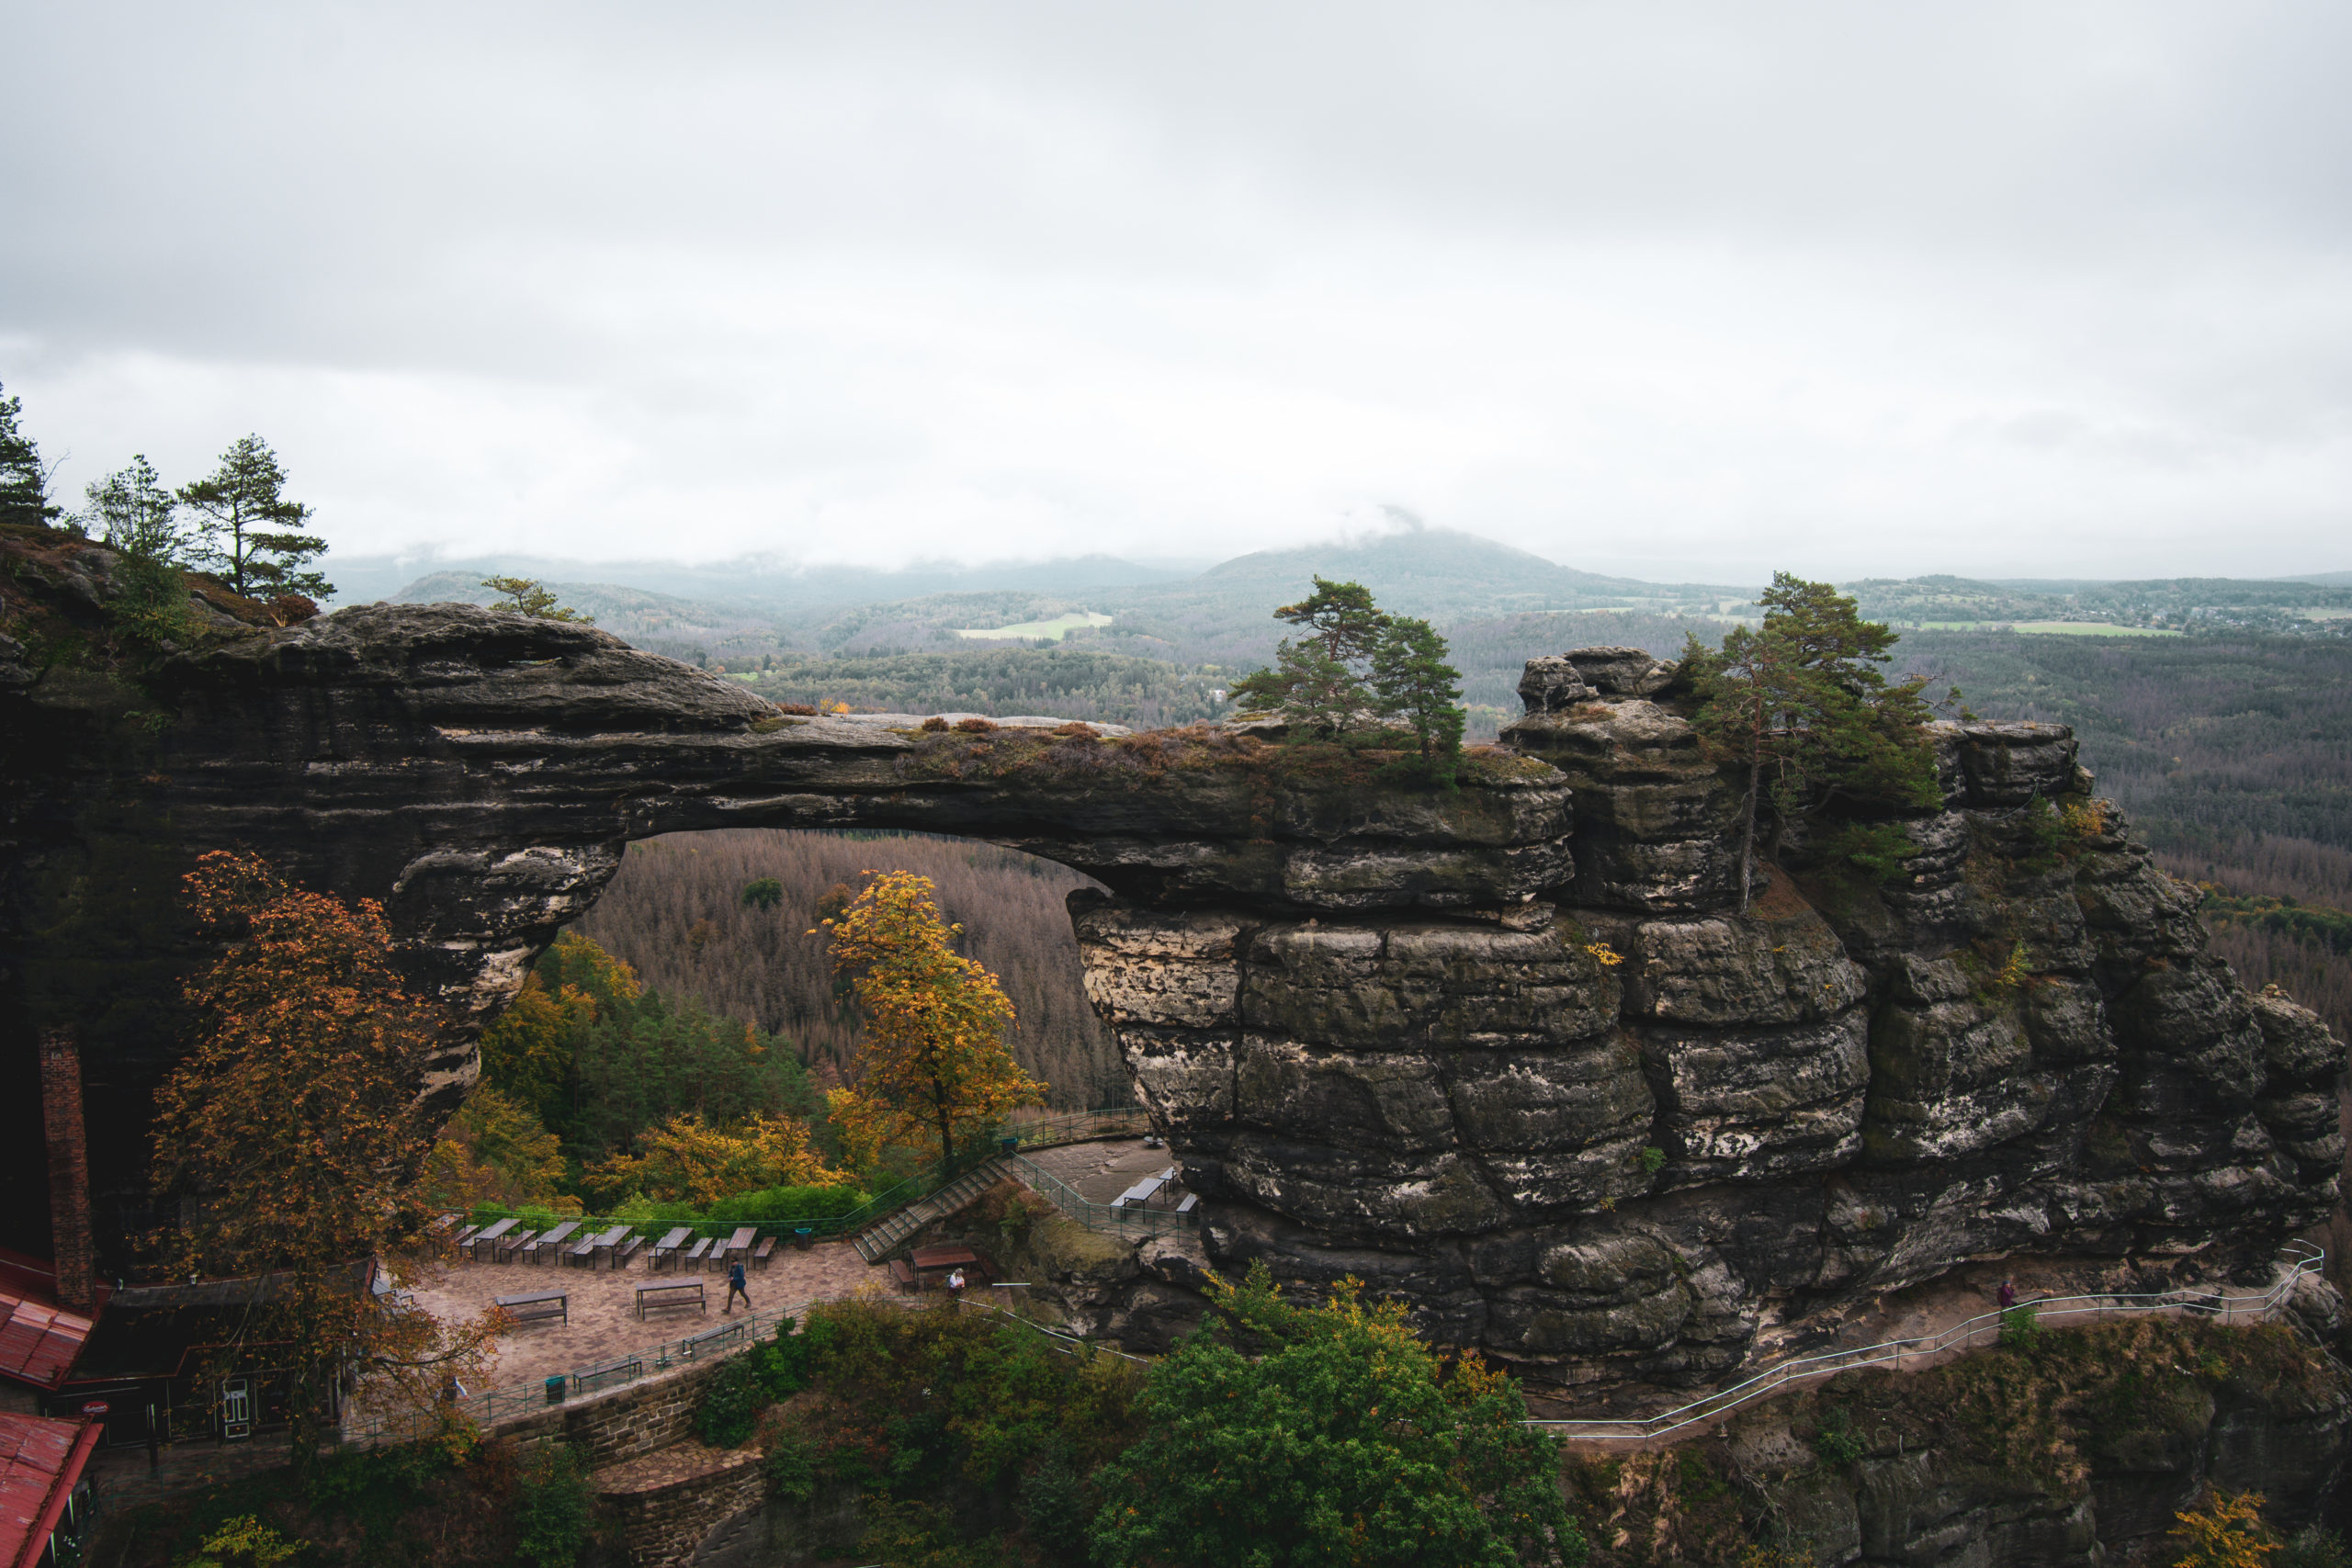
(1508, 1050)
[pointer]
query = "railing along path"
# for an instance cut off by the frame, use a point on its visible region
(2301, 1257)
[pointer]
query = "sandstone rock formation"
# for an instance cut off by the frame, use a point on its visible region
(1505, 1051)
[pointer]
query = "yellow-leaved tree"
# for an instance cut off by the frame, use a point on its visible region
(932, 1070)
(495, 1151)
(294, 1135)
(686, 1160)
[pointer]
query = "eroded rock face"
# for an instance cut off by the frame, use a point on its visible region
(1622, 1135)
(1508, 1053)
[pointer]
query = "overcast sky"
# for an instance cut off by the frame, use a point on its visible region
(1680, 290)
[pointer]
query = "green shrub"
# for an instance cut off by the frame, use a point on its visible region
(785, 1205)
(1333, 1434)
(792, 1468)
(243, 1543)
(924, 1535)
(782, 1364)
(2020, 1329)
(1835, 1440)
(1055, 1507)
(732, 1403)
(2045, 836)
(1653, 1159)
(1864, 852)
(551, 1509)
(2312, 1547)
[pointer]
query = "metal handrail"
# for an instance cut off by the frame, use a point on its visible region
(2301, 1255)
(1117, 1219)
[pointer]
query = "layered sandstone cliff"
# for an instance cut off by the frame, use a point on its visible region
(1505, 1052)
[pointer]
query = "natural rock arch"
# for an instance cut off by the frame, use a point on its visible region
(1503, 1051)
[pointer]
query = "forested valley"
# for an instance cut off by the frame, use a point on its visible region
(676, 912)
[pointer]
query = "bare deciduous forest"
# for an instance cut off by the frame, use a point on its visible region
(676, 912)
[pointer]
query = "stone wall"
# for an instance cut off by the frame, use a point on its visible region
(664, 1504)
(622, 1424)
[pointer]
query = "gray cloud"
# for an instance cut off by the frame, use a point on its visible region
(1846, 288)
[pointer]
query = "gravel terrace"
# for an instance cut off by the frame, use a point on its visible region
(603, 1305)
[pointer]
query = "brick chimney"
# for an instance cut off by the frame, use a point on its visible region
(69, 1170)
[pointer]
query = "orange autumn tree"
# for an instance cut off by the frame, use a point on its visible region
(934, 1070)
(2228, 1532)
(686, 1160)
(294, 1135)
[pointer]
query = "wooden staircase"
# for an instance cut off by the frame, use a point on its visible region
(884, 1236)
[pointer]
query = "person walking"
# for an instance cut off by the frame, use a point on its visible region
(2007, 1294)
(735, 1288)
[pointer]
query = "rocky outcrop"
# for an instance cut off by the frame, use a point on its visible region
(1508, 1052)
(1624, 1132)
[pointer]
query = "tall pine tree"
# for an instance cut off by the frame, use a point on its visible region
(1414, 684)
(132, 512)
(1801, 706)
(250, 532)
(24, 479)
(1318, 681)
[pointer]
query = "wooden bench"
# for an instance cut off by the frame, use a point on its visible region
(761, 1253)
(1186, 1206)
(483, 1240)
(504, 1249)
(550, 1244)
(904, 1275)
(666, 1249)
(738, 1248)
(694, 1345)
(620, 1369)
(591, 1247)
(696, 1254)
(538, 1306)
(656, 1296)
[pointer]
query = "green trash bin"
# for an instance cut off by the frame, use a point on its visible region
(556, 1385)
(1010, 1145)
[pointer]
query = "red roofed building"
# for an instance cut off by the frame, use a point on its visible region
(43, 1501)
(38, 1342)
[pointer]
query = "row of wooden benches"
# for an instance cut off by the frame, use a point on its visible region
(566, 1243)
(543, 1306)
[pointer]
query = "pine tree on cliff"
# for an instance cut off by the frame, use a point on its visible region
(24, 479)
(132, 512)
(249, 532)
(1801, 705)
(1318, 681)
(1414, 684)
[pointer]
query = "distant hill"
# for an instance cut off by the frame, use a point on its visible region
(752, 614)
(756, 582)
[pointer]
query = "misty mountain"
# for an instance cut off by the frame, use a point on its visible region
(758, 583)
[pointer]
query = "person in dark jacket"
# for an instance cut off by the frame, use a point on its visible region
(735, 1287)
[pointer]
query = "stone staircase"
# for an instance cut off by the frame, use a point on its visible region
(886, 1234)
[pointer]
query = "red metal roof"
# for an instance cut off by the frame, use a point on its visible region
(40, 1461)
(38, 1342)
